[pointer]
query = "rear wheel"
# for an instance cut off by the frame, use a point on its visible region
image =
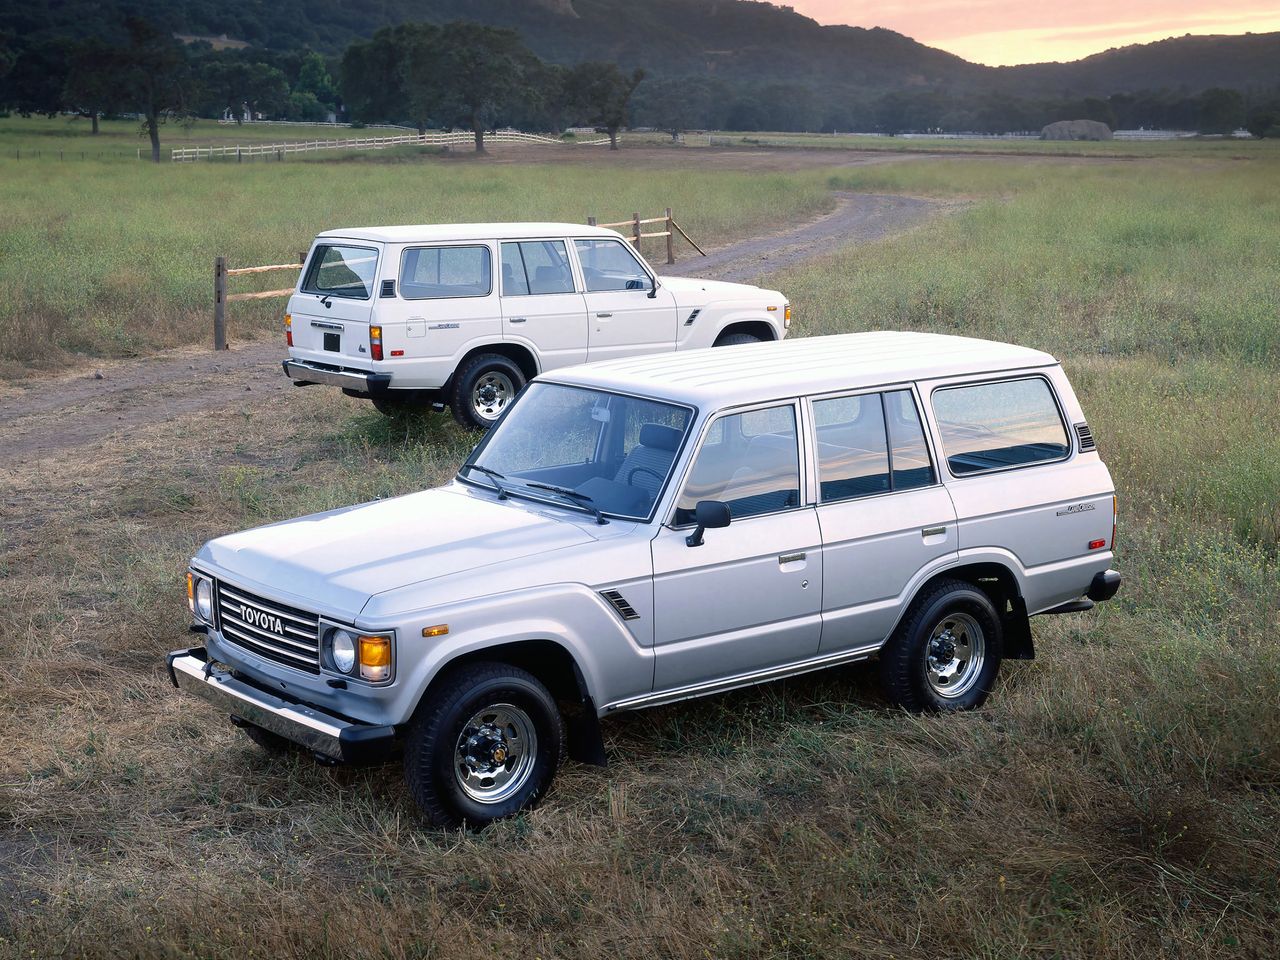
(486, 746)
(946, 652)
(483, 388)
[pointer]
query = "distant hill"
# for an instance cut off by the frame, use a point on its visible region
(735, 40)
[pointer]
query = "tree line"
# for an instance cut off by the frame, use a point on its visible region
(467, 76)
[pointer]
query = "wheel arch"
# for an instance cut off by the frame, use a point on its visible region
(522, 356)
(761, 329)
(1001, 584)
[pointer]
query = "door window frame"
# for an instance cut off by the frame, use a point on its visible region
(803, 460)
(930, 451)
(579, 284)
(582, 273)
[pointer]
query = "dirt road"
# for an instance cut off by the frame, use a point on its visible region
(40, 419)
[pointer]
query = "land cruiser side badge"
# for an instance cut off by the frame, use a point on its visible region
(1076, 508)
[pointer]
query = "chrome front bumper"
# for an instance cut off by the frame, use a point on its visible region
(303, 372)
(321, 732)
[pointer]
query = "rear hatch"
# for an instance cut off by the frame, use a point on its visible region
(332, 309)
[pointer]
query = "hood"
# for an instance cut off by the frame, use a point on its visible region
(695, 291)
(334, 562)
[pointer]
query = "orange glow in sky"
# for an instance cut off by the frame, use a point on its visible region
(1004, 31)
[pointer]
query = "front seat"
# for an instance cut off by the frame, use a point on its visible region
(647, 464)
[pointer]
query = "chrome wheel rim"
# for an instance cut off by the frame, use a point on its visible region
(495, 753)
(491, 395)
(954, 655)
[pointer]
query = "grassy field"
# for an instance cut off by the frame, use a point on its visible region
(1118, 797)
(110, 259)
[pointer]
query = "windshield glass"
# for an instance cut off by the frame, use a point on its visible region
(604, 451)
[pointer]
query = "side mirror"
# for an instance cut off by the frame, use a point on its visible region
(708, 515)
(653, 291)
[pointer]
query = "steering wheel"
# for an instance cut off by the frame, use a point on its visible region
(634, 470)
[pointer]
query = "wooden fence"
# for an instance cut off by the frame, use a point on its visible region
(280, 150)
(221, 272)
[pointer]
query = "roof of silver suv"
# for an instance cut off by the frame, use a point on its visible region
(725, 376)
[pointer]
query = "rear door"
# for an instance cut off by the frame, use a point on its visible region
(541, 303)
(623, 320)
(332, 307)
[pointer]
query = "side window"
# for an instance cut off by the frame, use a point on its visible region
(751, 470)
(534, 267)
(342, 272)
(433, 273)
(853, 457)
(910, 453)
(610, 265)
(992, 426)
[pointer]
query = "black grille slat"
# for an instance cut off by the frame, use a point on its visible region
(388, 288)
(296, 644)
(619, 603)
(1086, 437)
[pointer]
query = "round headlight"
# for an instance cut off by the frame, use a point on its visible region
(342, 647)
(204, 600)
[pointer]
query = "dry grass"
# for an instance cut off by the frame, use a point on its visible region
(1118, 798)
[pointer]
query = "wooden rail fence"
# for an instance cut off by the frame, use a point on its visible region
(221, 271)
(280, 150)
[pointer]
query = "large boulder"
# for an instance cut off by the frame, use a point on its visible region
(1076, 130)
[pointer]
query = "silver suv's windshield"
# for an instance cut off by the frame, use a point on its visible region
(605, 453)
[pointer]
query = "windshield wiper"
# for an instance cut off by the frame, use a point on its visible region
(493, 475)
(582, 498)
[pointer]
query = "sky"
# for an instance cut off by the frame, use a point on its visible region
(1000, 32)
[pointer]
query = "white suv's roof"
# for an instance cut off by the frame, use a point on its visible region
(728, 376)
(441, 232)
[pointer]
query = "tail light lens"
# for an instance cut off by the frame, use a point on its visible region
(375, 342)
(288, 329)
(1115, 513)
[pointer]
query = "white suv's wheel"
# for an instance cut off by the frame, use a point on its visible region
(483, 388)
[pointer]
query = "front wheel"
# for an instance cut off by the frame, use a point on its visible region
(483, 388)
(733, 339)
(486, 746)
(946, 652)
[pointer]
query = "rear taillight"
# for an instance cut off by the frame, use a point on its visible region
(375, 342)
(1115, 512)
(288, 329)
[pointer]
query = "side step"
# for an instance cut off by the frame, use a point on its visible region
(1071, 606)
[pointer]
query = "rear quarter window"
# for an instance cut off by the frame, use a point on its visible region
(437, 273)
(996, 426)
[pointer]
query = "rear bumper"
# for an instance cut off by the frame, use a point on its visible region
(1104, 585)
(303, 372)
(321, 732)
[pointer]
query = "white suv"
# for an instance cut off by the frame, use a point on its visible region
(463, 315)
(656, 528)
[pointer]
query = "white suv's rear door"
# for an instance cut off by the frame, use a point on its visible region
(542, 305)
(334, 302)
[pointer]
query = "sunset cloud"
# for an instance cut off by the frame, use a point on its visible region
(1003, 31)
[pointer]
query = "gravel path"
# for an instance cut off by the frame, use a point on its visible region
(42, 418)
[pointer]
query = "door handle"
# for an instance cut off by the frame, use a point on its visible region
(518, 319)
(790, 558)
(604, 316)
(932, 531)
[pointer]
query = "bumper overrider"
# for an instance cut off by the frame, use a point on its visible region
(331, 736)
(303, 373)
(1104, 585)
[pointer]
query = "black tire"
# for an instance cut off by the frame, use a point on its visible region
(952, 609)
(400, 403)
(487, 376)
(733, 339)
(434, 771)
(269, 742)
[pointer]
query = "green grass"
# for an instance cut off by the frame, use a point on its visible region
(1118, 797)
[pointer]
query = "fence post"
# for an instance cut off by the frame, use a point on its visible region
(220, 303)
(591, 221)
(636, 229)
(238, 157)
(671, 239)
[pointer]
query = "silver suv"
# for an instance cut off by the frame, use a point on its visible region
(651, 529)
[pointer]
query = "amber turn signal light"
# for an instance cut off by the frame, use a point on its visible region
(375, 658)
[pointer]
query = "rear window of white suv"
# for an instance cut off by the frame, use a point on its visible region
(341, 271)
(996, 426)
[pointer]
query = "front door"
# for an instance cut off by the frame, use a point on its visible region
(541, 304)
(750, 596)
(624, 320)
(883, 514)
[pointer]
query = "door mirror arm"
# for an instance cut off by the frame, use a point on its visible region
(653, 290)
(708, 515)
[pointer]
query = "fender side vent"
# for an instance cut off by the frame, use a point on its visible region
(619, 603)
(692, 317)
(388, 288)
(1086, 437)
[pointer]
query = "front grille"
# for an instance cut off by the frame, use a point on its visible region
(270, 629)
